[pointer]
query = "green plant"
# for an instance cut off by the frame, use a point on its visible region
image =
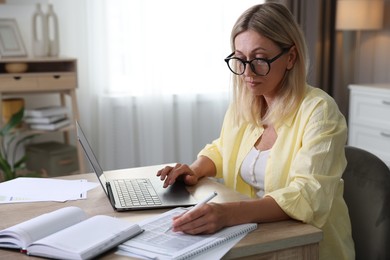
(11, 139)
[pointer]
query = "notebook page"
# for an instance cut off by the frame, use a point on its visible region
(43, 225)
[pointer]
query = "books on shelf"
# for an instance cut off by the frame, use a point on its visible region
(68, 233)
(46, 111)
(47, 118)
(44, 120)
(51, 126)
(158, 243)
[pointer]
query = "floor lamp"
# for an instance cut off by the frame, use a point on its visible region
(356, 16)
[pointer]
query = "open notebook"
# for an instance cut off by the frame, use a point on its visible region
(156, 243)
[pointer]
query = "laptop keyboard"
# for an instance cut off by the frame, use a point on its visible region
(136, 192)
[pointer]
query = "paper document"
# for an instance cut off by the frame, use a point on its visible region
(215, 253)
(156, 243)
(24, 189)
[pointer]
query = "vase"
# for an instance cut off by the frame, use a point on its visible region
(52, 31)
(40, 39)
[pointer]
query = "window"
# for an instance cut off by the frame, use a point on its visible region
(171, 46)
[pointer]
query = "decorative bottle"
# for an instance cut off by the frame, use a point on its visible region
(53, 35)
(40, 40)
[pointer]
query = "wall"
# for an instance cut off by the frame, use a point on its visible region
(72, 22)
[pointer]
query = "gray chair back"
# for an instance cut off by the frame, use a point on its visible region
(367, 194)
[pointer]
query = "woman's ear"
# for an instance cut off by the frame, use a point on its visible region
(291, 57)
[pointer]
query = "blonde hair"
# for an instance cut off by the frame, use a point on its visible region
(275, 22)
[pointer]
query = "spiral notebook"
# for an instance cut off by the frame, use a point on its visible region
(156, 243)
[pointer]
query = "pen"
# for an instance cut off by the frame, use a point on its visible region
(198, 205)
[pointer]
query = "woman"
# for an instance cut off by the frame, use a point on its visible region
(282, 141)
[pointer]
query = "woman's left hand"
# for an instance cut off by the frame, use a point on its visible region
(207, 219)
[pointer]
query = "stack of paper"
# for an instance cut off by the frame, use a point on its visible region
(25, 189)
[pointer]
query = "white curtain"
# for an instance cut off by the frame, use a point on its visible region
(157, 74)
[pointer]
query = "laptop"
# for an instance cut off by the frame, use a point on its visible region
(136, 193)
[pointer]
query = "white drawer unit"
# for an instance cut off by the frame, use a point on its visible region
(369, 119)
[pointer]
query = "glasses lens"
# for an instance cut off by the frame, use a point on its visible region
(260, 67)
(236, 66)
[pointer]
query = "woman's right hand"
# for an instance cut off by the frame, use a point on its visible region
(182, 172)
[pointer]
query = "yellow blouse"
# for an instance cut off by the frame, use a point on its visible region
(304, 169)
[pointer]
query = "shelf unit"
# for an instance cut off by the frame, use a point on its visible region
(369, 119)
(45, 76)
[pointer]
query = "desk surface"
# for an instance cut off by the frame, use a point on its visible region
(286, 238)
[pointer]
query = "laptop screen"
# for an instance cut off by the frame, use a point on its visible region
(91, 156)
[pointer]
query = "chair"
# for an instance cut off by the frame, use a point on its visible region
(367, 194)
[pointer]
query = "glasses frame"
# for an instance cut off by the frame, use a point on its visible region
(268, 61)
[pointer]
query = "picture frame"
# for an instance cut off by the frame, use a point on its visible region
(11, 42)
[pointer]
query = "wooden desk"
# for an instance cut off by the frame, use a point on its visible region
(279, 240)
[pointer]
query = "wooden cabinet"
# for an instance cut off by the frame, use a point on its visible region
(44, 75)
(369, 119)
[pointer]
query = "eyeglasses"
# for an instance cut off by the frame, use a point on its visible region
(259, 66)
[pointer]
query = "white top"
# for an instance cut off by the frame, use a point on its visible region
(253, 169)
